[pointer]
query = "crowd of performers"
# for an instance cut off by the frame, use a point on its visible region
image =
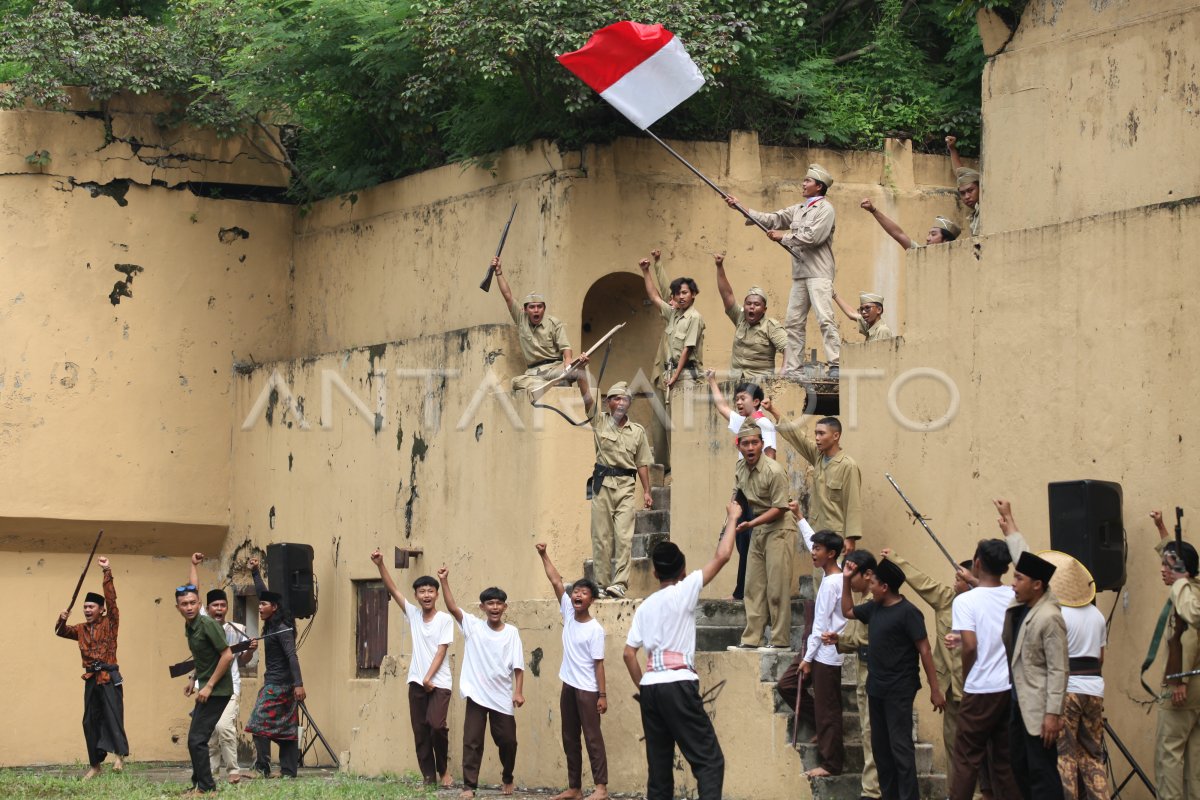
(1015, 669)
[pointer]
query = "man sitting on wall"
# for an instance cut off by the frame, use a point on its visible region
(543, 338)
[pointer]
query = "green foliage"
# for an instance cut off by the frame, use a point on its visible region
(368, 90)
(38, 158)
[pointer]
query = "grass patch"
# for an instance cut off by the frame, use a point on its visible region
(136, 783)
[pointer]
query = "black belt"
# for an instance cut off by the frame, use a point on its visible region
(1084, 665)
(113, 670)
(603, 471)
(671, 366)
(545, 362)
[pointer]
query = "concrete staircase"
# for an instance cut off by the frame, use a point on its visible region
(651, 526)
(719, 623)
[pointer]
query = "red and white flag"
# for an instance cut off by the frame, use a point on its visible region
(642, 70)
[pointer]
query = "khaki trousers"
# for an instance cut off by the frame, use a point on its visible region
(815, 294)
(1177, 754)
(222, 745)
(533, 378)
(768, 595)
(613, 514)
(870, 776)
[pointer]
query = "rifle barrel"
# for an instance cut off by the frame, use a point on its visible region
(921, 519)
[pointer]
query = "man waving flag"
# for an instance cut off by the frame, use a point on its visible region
(643, 71)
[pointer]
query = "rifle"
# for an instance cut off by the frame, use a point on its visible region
(82, 575)
(486, 285)
(186, 666)
(917, 516)
(536, 394)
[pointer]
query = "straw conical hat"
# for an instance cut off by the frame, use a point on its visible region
(1072, 584)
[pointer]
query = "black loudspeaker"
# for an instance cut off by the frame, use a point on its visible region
(1085, 522)
(290, 573)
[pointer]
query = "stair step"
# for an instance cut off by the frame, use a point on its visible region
(849, 699)
(652, 522)
(642, 582)
(658, 476)
(810, 758)
(644, 543)
(732, 613)
(662, 497)
(849, 787)
(714, 638)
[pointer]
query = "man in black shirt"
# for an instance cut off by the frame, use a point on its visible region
(896, 631)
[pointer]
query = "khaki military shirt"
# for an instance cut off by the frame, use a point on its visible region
(539, 342)
(765, 486)
(684, 329)
(940, 598)
(754, 346)
(810, 236)
(974, 221)
(624, 446)
(836, 500)
(875, 333)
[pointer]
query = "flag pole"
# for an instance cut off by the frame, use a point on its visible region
(738, 206)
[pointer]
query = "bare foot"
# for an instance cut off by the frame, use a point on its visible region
(91, 773)
(599, 793)
(467, 794)
(818, 772)
(569, 794)
(508, 788)
(118, 764)
(447, 781)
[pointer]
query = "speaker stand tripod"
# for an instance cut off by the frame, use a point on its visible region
(1135, 768)
(312, 734)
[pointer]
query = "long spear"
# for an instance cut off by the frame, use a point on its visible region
(82, 575)
(917, 516)
(486, 284)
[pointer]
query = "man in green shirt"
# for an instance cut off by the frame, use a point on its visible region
(210, 651)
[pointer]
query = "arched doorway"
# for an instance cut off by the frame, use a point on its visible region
(615, 298)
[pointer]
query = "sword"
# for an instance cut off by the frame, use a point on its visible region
(82, 575)
(536, 394)
(917, 516)
(486, 285)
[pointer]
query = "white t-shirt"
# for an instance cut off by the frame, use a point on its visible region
(981, 610)
(426, 638)
(583, 646)
(1087, 636)
(488, 662)
(764, 424)
(665, 624)
(827, 618)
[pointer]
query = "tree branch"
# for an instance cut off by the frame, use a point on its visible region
(853, 54)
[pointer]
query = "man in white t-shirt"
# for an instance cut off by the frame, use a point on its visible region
(668, 690)
(983, 714)
(429, 679)
(1081, 744)
(222, 746)
(583, 698)
(492, 680)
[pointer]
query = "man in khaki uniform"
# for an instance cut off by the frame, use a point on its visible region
(942, 230)
(869, 316)
(809, 230)
(768, 595)
(968, 184)
(1177, 750)
(757, 338)
(835, 502)
(622, 451)
(543, 337)
(683, 345)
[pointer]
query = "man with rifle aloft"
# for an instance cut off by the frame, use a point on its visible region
(210, 650)
(543, 338)
(222, 747)
(103, 692)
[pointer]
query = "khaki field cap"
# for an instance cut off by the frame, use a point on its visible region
(757, 290)
(1072, 584)
(819, 173)
(966, 176)
(619, 389)
(534, 297)
(749, 429)
(948, 226)
(867, 297)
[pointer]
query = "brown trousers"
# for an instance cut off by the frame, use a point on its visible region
(428, 712)
(504, 734)
(983, 721)
(579, 715)
(1081, 749)
(822, 707)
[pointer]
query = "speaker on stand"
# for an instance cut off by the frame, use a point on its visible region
(1086, 522)
(290, 573)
